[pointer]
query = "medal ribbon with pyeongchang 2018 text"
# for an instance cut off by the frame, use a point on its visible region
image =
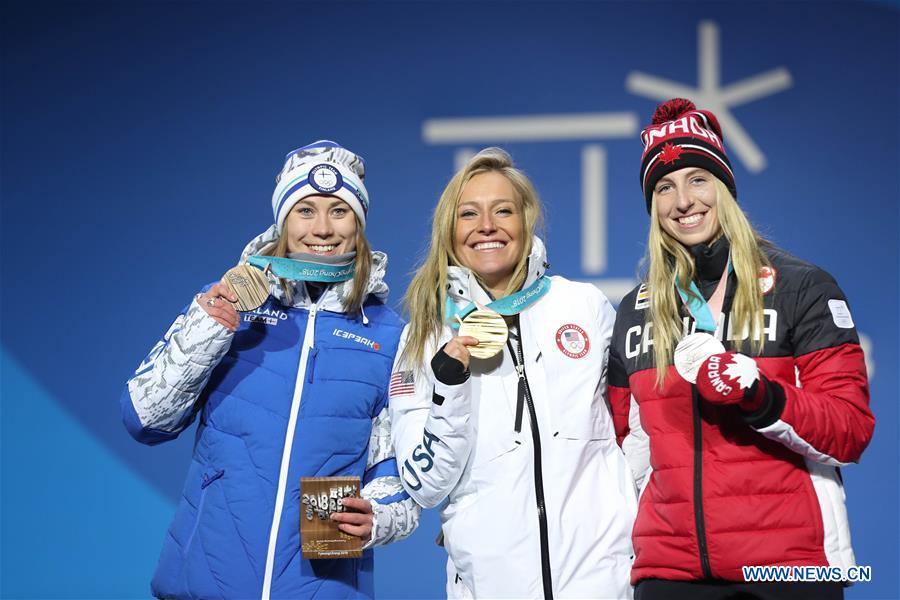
(697, 347)
(304, 270)
(248, 281)
(486, 324)
(508, 306)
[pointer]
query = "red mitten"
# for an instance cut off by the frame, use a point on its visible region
(731, 378)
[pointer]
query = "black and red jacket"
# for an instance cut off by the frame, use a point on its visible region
(729, 489)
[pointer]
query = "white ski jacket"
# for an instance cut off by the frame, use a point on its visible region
(544, 511)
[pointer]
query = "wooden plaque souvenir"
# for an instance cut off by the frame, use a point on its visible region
(319, 535)
(249, 285)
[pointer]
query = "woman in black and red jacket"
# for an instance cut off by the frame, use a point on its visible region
(737, 384)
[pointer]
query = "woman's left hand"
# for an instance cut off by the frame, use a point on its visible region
(731, 378)
(359, 522)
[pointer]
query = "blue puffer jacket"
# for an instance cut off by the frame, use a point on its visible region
(300, 390)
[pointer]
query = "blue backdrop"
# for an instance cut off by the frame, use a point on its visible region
(140, 141)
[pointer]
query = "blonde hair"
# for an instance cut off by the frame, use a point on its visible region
(670, 262)
(353, 301)
(427, 292)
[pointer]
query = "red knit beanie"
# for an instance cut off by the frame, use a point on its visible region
(681, 136)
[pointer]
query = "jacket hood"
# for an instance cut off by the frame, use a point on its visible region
(332, 298)
(463, 286)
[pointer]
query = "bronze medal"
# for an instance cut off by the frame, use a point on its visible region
(489, 328)
(250, 286)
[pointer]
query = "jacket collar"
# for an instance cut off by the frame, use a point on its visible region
(332, 298)
(463, 286)
(711, 260)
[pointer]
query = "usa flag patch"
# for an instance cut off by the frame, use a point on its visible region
(403, 383)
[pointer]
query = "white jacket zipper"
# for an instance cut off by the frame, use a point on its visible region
(308, 343)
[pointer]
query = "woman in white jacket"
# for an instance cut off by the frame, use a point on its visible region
(519, 449)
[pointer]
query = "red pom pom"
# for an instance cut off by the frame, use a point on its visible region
(671, 110)
(713, 122)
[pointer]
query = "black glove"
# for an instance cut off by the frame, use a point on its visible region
(448, 370)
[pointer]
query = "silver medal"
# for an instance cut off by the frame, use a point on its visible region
(692, 351)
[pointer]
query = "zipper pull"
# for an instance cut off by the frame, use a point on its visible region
(207, 479)
(520, 401)
(311, 368)
(520, 369)
(311, 322)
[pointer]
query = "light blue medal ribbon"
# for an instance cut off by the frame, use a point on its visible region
(302, 270)
(508, 306)
(700, 308)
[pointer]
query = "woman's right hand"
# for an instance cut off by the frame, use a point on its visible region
(458, 348)
(217, 302)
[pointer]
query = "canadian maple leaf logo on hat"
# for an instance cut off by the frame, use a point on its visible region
(670, 153)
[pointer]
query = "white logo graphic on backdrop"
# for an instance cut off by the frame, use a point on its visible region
(555, 127)
(712, 96)
(616, 125)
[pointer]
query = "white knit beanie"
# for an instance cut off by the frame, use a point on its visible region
(323, 167)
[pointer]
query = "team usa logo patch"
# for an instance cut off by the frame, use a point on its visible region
(572, 341)
(766, 279)
(325, 178)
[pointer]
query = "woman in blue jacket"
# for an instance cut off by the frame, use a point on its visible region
(295, 388)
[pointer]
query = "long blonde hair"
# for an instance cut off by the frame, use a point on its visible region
(671, 262)
(427, 292)
(353, 301)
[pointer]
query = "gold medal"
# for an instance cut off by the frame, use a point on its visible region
(250, 286)
(489, 328)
